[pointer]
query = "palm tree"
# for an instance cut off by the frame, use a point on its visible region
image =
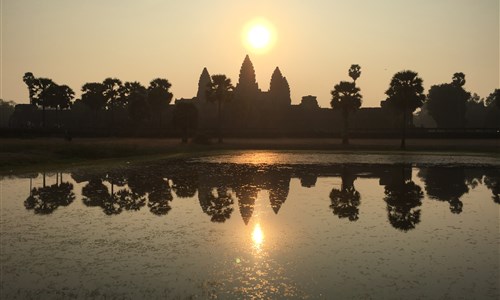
(405, 94)
(112, 90)
(354, 72)
(347, 98)
(159, 96)
(40, 90)
(220, 90)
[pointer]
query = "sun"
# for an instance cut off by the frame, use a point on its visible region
(259, 35)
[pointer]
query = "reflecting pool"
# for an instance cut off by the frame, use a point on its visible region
(255, 225)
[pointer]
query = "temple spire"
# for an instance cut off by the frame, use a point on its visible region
(247, 81)
(202, 84)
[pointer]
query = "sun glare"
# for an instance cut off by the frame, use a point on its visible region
(259, 35)
(257, 236)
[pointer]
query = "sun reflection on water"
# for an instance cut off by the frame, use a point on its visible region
(257, 158)
(257, 237)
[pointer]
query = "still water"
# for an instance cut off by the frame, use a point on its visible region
(255, 225)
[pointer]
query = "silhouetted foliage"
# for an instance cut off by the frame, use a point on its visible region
(136, 95)
(354, 72)
(346, 97)
(492, 182)
(185, 184)
(93, 95)
(446, 184)
(220, 90)
(159, 196)
(475, 111)
(403, 196)
(345, 202)
(95, 193)
(185, 118)
(493, 99)
(46, 199)
(29, 79)
(405, 95)
(46, 93)
(159, 96)
(112, 94)
(458, 79)
(447, 102)
(217, 203)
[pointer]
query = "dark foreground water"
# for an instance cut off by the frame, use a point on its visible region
(256, 225)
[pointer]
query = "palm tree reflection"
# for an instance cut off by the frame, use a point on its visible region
(216, 202)
(95, 193)
(159, 197)
(345, 202)
(46, 199)
(403, 197)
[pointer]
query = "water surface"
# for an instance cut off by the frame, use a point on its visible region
(256, 225)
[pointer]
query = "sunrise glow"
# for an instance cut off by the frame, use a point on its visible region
(257, 236)
(259, 35)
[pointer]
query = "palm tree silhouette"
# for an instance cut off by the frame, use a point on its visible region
(159, 96)
(159, 196)
(95, 193)
(220, 90)
(402, 196)
(354, 72)
(346, 97)
(345, 201)
(405, 94)
(216, 202)
(46, 199)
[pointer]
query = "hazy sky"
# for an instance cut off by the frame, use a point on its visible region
(74, 42)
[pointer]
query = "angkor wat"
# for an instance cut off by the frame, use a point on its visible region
(130, 109)
(253, 111)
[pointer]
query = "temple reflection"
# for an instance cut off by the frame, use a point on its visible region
(222, 188)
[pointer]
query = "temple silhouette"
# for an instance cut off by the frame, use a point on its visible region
(252, 112)
(255, 111)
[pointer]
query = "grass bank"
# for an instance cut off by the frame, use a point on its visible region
(17, 155)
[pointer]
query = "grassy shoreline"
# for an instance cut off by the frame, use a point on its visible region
(20, 155)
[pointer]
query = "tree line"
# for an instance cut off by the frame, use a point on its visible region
(111, 94)
(447, 104)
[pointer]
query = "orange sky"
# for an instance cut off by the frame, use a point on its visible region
(74, 42)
